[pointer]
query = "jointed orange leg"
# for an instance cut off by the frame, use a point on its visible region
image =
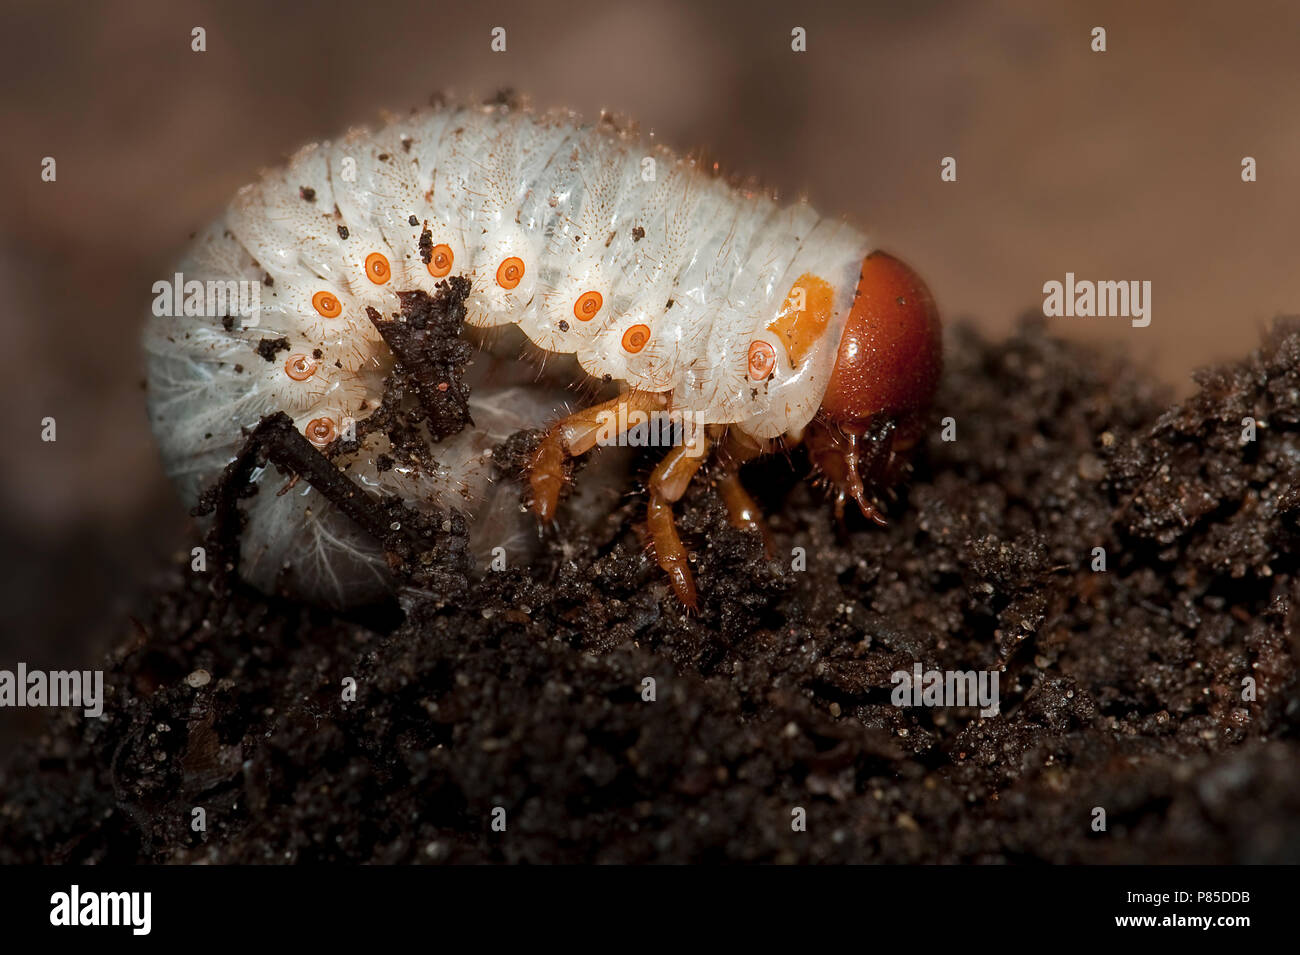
(741, 509)
(668, 482)
(577, 434)
(580, 432)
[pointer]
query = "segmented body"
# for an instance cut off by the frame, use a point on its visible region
(647, 268)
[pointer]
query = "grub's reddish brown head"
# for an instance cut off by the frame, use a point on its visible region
(884, 379)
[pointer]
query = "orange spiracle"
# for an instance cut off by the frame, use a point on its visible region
(634, 338)
(762, 359)
(377, 268)
(510, 272)
(587, 305)
(327, 304)
(320, 431)
(440, 260)
(299, 367)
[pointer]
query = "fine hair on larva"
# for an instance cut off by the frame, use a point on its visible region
(655, 274)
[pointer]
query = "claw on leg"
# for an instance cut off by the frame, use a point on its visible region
(577, 434)
(668, 482)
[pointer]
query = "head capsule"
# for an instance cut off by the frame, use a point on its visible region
(883, 381)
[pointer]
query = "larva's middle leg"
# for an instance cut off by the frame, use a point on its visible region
(577, 434)
(668, 482)
(741, 509)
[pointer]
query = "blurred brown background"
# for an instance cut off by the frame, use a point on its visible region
(1122, 165)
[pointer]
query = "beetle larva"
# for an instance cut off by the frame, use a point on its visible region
(761, 325)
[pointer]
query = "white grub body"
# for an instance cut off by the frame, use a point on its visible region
(689, 273)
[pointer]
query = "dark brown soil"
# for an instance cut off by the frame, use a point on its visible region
(1120, 689)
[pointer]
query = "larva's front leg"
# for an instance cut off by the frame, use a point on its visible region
(577, 434)
(668, 482)
(846, 458)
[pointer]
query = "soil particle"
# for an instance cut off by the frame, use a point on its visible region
(267, 347)
(425, 394)
(610, 726)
